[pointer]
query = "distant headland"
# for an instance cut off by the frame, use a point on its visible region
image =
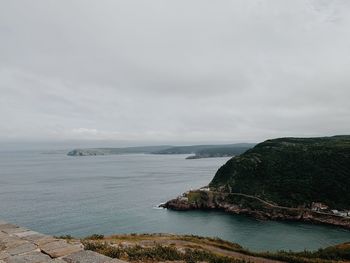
(195, 151)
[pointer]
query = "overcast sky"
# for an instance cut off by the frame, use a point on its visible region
(173, 71)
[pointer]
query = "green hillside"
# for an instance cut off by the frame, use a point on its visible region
(292, 172)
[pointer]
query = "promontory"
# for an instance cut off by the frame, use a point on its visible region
(306, 179)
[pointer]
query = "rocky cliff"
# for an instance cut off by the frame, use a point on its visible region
(236, 203)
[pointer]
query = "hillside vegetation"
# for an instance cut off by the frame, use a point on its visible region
(291, 172)
(154, 248)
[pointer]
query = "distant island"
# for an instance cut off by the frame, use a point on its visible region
(197, 151)
(111, 151)
(306, 179)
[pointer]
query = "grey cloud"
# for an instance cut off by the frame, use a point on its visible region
(174, 70)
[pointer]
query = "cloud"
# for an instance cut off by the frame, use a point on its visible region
(174, 70)
(83, 131)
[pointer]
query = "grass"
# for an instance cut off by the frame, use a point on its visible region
(216, 242)
(196, 249)
(157, 253)
(194, 197)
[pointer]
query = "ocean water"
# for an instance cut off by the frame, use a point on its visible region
(57, 194)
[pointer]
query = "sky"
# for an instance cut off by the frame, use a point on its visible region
(182, 71)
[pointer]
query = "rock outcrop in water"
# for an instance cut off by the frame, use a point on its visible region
(237, 203)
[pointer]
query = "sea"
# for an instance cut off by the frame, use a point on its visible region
(57, 194)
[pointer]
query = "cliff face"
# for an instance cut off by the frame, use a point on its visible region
(292, 172)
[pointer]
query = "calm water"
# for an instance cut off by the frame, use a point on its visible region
(57, 194)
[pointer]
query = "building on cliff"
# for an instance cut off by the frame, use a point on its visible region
(319, 207)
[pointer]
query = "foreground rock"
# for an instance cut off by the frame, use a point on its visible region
(21, 245)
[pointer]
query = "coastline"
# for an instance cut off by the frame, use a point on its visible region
(238, 203)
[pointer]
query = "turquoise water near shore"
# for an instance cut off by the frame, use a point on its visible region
(57, 194)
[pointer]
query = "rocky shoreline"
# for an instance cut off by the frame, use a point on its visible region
(252, 206)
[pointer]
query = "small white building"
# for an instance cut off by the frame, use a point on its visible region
(319, 207)
(340, 213)
(183, 198)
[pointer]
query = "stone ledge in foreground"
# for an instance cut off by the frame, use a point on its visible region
(22, 245)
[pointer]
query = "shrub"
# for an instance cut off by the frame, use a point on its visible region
(95, 237)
